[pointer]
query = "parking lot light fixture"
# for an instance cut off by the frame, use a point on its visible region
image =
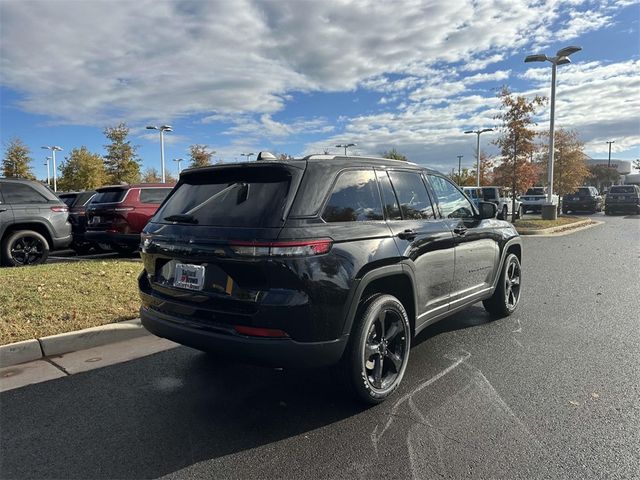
(248, 155)
(179, 160)
(48, 171)
(345, 146)
(561, 58)
(610, 142)
(162, 129)
(54, 149)
(478, 133)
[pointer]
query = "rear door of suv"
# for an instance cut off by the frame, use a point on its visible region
(477, 248)
(420, 236)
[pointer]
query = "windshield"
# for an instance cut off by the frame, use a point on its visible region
(535, 191)
(68, 199)
(228, 199)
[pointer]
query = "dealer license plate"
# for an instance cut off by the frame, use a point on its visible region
(189, 276)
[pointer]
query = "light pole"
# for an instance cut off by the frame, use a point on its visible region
(54, 149)
(561, 58)
(478, 132)
(459, 166)
(48, 175)
(612, 141)
(179, 160)
(248, 155)
(162, 129)
(345, 146)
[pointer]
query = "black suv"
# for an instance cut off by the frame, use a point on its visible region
(33, 221)
(584, 199)
(623, 198)
(77, 203)
(320, 261)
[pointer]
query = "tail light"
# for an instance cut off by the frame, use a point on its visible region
(302, 248)
(59, 209)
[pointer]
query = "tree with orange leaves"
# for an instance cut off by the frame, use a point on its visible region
(516, 141)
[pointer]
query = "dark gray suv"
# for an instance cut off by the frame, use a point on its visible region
(33, 221)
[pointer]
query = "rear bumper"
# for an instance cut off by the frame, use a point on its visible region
(278, 352)
(61, 242)
(127, 240)
(622, 207)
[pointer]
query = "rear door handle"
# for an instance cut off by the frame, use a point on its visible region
(407, 234)
(460, 230)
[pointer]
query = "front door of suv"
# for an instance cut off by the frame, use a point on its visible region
(476, 250)
(420, 236)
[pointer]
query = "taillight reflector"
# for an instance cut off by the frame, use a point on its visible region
(260, 332)
(296, 248)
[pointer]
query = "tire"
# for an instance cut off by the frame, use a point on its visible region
(607, 211)
(506, 297)
(384, 333)
(520, 213)
(505, 213)
(82, 249)
(24, 247)
(565, 210)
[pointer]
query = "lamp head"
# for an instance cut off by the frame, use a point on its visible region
(563, 60)
(566, 51)
(151, 127)
(540, 57)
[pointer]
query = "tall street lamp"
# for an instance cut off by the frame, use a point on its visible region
(478, 132)
(162, 129)
(54, 149)
(179, 160)
(248, 155)
(561, 58)
(48, 175)
(612, 141)
(345, 146)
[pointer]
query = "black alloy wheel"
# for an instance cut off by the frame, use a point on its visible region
(25, 247)
(379, 352)
(506, 296)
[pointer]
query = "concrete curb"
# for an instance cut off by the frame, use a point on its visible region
(560, 229)
(29, 350)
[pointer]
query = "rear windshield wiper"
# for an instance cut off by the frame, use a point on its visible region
(182, 218)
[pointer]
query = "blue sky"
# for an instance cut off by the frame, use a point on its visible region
(300, 77)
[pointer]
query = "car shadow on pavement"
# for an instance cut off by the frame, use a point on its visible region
(159, 414)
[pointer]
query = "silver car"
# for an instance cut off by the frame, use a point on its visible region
(33, 221)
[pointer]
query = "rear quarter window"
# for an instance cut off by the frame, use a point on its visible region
(153, 195)
(355, 198)
(21, 193)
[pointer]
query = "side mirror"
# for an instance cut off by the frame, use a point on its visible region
(487, 210)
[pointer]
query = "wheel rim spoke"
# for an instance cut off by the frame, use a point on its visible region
(381, 320)
(394, 329)
(370, 350)
(377, 371)
(395, 360)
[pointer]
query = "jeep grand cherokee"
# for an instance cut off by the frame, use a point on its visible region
(320, 261)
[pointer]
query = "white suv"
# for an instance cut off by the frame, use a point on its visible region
(497, 195)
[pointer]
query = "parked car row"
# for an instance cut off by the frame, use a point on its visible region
(34, 220)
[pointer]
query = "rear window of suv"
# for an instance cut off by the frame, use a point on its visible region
(623, 189)
(110, 196)
(233, 198)
(153, 195)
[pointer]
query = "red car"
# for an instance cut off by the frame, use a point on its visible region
(118, 213)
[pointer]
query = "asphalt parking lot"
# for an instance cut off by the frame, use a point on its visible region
(550, 392)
